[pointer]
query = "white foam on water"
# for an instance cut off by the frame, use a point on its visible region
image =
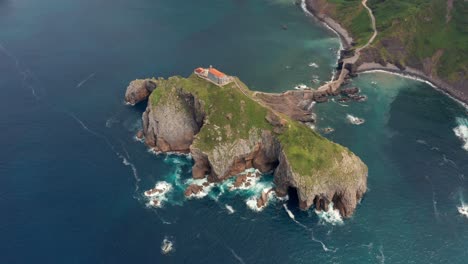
(255, 185)
(229, 208)
(142, 140)
(446, 160)
(125, 160)
(293, 217)
(85, 80)
(134, 170)
(332, 216)
(201, 182)
(313, 64)
(461, 131)
(381, 257)
(307, 12)
(300, 86)
(422, 142)
(167, 246)
(236, 256)
(309, 108)
(463, 208)
(290, 214)
(25, 73)
(416, 78)
(354, 120)
(156, 199)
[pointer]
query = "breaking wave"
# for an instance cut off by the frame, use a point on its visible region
(332, 216)
(158, 195)
(354, 120)
(179, 179)
(463, 209)
(313, 64)
(167, 246)
(229, 209)
(461, 131)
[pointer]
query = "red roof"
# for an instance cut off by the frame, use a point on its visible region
(217, 73)
(199, 70)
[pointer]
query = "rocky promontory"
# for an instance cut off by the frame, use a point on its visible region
(230, 129)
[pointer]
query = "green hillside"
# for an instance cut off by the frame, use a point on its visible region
(426, 34)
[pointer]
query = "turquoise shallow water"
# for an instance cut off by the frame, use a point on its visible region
(72, 176)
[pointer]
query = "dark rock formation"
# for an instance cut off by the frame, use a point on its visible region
(139, 90)
(349, 91)
(193, 189)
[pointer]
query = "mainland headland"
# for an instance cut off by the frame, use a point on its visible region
(229, 129)
(425, 39)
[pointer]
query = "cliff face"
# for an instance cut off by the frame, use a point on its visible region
(172, 125)
(139, 90)
(320, 188)
(227, 131)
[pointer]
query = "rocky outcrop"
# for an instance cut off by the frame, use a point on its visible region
(139, 90)
(176, 117)
(345, 194)
(172, 125)
(193, 189)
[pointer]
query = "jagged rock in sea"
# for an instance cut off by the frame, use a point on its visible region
(139, 90)
(230, 129)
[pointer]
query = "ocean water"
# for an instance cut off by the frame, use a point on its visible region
(72, 176)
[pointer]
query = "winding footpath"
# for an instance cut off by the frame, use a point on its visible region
(334, 85)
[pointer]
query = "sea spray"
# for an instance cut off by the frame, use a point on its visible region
(313, 65)
(461, 131)
(229, 209)
(354, 120)
(167, 246)
(331, 216)
(463, 208)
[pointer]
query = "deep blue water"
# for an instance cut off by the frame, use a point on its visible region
(67, 196)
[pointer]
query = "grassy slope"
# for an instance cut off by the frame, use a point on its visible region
(311, 154)
(219, 103)
(421, 27)
(306, 150)
(354, 17)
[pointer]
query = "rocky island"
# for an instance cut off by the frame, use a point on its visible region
(227, 129)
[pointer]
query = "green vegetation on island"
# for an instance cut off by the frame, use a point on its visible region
(232, 114)
(430, 35)
(229, 129)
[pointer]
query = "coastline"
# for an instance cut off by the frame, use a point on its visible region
(414, 74)
(311, 7)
